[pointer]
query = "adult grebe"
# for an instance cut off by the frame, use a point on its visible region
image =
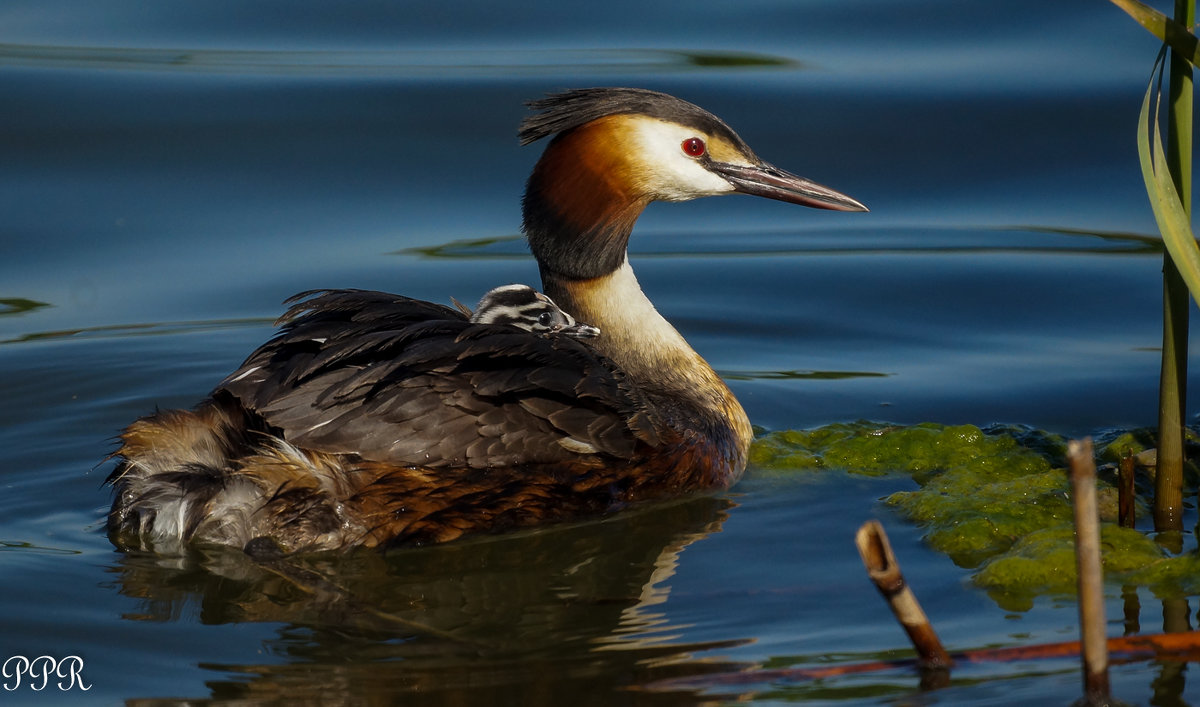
(375, 419)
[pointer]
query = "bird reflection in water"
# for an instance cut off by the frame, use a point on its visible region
(549, 616)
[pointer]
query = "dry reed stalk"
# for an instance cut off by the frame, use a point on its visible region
(884, 571)
(1091, 577)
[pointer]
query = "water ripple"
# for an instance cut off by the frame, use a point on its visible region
(140, 329)
(419, 63)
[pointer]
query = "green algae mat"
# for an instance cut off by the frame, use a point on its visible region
(996, 502)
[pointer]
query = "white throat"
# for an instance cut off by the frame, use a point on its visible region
(633, 333)
(645, 345)
(618, 304)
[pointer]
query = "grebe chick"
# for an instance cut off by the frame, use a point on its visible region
(374, 419)
(526, 308)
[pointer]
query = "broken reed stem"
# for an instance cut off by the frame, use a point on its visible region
(885, 573)
(1091, 579)
(1126, 515)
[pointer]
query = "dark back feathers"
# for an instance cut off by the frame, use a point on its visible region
(407, 382)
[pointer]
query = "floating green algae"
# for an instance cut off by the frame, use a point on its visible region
(1132, 442)
(997, 502)
(875, 450)
(1043, 562)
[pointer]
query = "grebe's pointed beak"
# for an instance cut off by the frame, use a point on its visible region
(774, 183)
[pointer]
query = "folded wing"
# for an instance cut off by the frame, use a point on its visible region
(407, 382)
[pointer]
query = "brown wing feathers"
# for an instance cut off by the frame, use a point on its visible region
(407, 382)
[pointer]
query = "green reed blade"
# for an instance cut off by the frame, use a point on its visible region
(1168, 30)
(1169, 213)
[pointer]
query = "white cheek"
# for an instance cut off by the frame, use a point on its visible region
(668, 173)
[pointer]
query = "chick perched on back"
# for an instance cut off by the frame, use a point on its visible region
(525, 308)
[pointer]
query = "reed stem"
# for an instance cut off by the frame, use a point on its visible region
(1168, 481)
(1127, 491)
(884, 571)
(1093, 637)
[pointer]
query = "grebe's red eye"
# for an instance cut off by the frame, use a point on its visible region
(693, 147)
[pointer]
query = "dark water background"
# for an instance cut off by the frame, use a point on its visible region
(169, 172)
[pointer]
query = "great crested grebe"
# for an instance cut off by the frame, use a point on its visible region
(374, 419)
(526, 308)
